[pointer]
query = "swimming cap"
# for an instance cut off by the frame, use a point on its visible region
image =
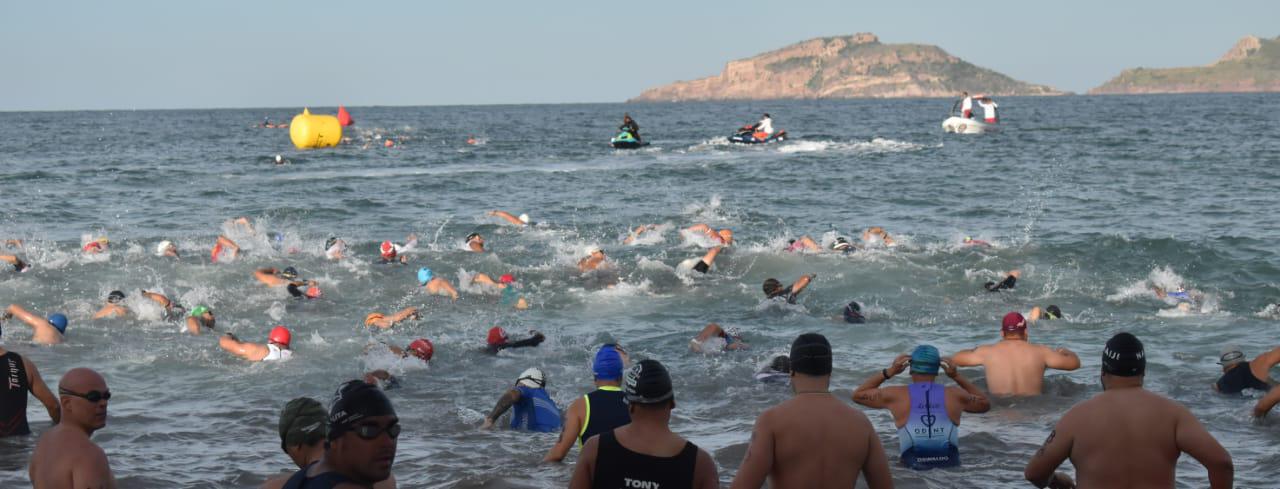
(532, 378)
(841, 244)
(424, 275)
(302, 422)
(279, 159)
(1124, 356)
(497, 336)
(1231, 355)
(1013, 323)
(328, 243)
(313, 292)
(591, 250)
(771, 286)
(648, 382)
(289, 273)
(163, 247)
(524, 218)
(423, 349)
(607, 364)
(925, 360)
(811, 355)
(388, 250)
(1052, 312)
(280, 334)
(354, 401)
(59, 322)
(853, 313)
(733, 333)
(780, 364)
(506, 278)
(199, 310)
(115, 296)
(471, 237)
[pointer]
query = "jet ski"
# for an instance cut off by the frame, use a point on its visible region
(960, 125)
(746, 135)
(624, 140)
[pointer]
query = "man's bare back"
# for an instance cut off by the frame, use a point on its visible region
(66, 458)
(1014, 367)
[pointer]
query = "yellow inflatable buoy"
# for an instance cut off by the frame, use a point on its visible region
(314, 131)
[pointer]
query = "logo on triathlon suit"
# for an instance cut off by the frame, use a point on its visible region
(640, 484)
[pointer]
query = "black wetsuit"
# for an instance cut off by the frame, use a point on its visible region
(1238, 379)
(701, 266)
(784, 293)
(618, 468)
(327, 480)
(606, 410)
(13, 397)
(530, 341)
(1007, 283)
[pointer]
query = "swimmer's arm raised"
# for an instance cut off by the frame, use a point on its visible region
(41, 391)
(227, 243)
(869, 393)
(1267, 402)
(504, 403)
(974, 400)
(1193, 439)
(157, 298)
(758, 462)
(507, 216)
(1041, 468)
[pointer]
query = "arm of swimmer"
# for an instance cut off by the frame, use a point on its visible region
(585, 470)
(758, 461)
(968, 358)
(974, 400)
(104, 312)
(41, 391)
(92, 471)
(705, 474)
(248, 351)
(876, 468)
(568, 432)
(227, 243)
(1266, 403)
(511, 397)
(801, 284)
(1040, 469)
(1193, 439)
(1061, 359)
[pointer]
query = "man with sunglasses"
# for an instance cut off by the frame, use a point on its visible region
(65, 456)
(361, 444)
(20, 377)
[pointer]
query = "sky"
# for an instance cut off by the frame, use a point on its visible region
(173, 54)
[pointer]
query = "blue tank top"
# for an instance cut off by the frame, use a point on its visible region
(929, 439)
(535, 411)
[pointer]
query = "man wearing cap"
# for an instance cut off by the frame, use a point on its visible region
(389, 252)
(276, 349)
(535, 411)
(475, 243)
(334, 248)
(1239, 374)
(598, 411)
(723, 237)
(381, 321)
(853, 313)
(18, 264)
(21, 377)
(1048, 313)
(434, 285)
(360, 444)
(773, 289)
(112, 309)
(594, 259)
(1010, 281)
(498, 340)
(724, 340)
(303, 427)
(506, 283)
(1127, 436)
(926, 413)
(1014, 365)
(201, 317)
(65, 456)
(45, 331)
(645, 453)
(813, 439)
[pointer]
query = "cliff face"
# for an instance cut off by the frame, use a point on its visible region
(854, 66)
(1252, 65)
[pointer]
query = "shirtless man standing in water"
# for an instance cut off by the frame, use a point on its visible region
(813, 440)
(1127, 436)
(1015, 366)
(65, 456)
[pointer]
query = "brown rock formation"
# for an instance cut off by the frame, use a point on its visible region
(1252, 65)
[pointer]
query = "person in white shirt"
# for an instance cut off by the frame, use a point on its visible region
(989, 110)
(765, 125)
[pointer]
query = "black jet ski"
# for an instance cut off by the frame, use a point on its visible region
(747, 135)
(625, 140)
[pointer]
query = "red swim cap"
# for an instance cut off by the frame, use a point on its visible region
(497, 336)
(507, 278)
(422, 348)
(1013, 323)
(280, 334)
(388, 249)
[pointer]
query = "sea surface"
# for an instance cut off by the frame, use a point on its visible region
(1094, 199)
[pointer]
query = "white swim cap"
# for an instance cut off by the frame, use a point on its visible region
(279, 158)
(163, 247)
(524, 218)
(532, 378)
(591, 250)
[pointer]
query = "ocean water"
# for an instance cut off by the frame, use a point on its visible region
(1094, 198)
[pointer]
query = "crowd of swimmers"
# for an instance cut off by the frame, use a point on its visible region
(622, 426)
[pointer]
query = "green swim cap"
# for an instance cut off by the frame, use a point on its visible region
(199, 311)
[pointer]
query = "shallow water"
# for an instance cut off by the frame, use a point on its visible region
(1093, 198)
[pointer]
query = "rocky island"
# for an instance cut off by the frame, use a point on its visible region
(857, 66)
(1253, 65)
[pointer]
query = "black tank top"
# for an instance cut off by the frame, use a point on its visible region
(606, 410)
(13, 395)
(327, 480)
(1239, 378)
(619, 468)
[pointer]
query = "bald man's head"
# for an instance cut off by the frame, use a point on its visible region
(83, 396)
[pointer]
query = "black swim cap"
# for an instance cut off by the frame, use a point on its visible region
(354, 401)
(115, 296)
(328, 243)
(771, 285)
(781, 364)
(811, 355)
(647, 383)
(853, 313)
(1053, 312)
(1124, 356)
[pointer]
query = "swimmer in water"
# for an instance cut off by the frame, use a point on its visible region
(783, 448)
(172, 310)
(45, 331)
(1267, 402)
(273, 277)
(276, 349)
(703, 265)
(877, 233)
(1239, 374)
(303, 429)
(1014, 365)
(638, 231)
(1048, 313)
(279, 160)
(507, 285)
(381, 321)
(312, 290)
(1184, 299)
(521, 221)
(1127, 436)
(594, 259)
(222, 246)
(534, 409)
(1008, 283)
(201, 318)
(356, 454)
(498, 340)
(434, 285)
(18, 264)
(923, 405)
(113, 307)
(393, 253)
(596, 412)
(853, 313)
(100, 245)
(778, 371)
(805, 243)
(732, 339)
(472, 140)
(475, 242)
(969, 241)
(723, 236)
(773, 289)
(167, 249)
(334, 248)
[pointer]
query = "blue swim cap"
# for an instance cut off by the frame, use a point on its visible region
(925, 360)
(608, 364)
(59, 322)
(424, 275)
